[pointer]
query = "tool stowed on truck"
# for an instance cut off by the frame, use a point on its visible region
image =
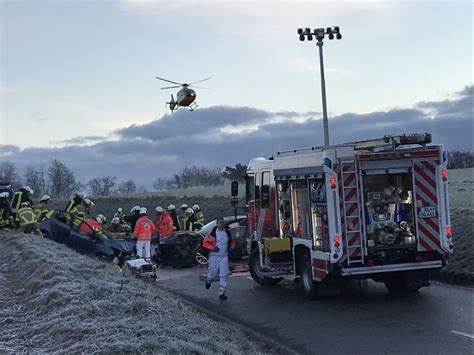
(375, 209)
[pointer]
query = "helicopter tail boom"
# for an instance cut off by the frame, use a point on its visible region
(173, 104)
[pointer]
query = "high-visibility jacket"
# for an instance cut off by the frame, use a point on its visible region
(164, 225)
(90, 227)
(4, 216)
(26, 216)
(41, 210)
(18, 198)
(192, 224)
(4, 213)
(144, 228)
(73, 203)
(200, 217)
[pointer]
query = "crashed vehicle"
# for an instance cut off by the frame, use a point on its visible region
(184, 248)
(117, 250)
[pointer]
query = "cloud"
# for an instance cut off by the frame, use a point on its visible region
(7, 149)
(164, 146)
(80, 140)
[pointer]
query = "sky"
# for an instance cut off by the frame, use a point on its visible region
(77, 80)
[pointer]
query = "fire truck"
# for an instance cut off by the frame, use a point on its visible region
(375, 209)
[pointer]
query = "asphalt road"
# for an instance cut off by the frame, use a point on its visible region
(362, 320)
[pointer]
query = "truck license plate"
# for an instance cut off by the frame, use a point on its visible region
(427, 212)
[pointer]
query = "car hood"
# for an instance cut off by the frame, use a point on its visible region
(126, 246)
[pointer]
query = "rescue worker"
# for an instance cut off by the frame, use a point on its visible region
(27, 219)
(92, 226)
(41, 209)
(133, 218)
(198, 213)
(144, 229)
(4, 210)
(72, 209)
(183, 217)
(174, 216)
(164, 223)
(219, 242)
(88, 204)
(19, 197)
(191, 221)
(119, 214)
(75, 201)
(116, 226)
(78, 216)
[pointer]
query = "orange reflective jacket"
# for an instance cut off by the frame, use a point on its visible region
(164, 225)
(144, 229)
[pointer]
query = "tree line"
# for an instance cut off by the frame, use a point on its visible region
(59, 181)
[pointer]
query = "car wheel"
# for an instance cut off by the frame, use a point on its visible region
(200, 258)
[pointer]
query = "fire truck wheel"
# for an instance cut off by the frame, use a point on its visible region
(309, 287)
(256, 271)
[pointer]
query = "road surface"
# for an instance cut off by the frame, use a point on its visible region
(362, 320)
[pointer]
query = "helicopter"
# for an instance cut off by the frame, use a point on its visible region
(185, 97)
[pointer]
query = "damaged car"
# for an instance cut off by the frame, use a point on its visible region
(184, 248)
(99, 244)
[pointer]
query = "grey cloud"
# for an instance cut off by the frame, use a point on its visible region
(161, 147)
(8, 149)
(81, 140)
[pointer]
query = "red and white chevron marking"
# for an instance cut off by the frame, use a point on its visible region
(426, 196)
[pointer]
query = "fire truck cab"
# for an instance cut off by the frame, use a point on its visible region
(375, 209)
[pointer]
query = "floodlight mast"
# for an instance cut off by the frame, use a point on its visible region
(319, 33)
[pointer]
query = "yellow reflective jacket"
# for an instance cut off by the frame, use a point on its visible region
(26, 216)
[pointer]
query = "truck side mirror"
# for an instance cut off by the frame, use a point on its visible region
(234, 188)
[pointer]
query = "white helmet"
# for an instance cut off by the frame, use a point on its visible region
(25, 204)
(135, 208)
(80, 194)
(115, 220)
(189, 210)
(143, 210)
(159, 209)
(184, 206)
(120, 210)
(196, 207)
(171, 207)
(88, 202)
(45, 198)
(4, 195)
(101, 219)
(29, 189)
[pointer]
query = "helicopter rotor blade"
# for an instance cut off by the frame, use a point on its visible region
(200, 81)
(171, 87)
(200, 87)
(169, 81)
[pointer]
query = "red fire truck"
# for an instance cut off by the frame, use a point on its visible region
(375, 209)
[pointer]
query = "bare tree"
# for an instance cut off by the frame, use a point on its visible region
(61, 179)
(127, 187)
(36, 178)
(460, 159)
(160, 184)
(102, 186)
(8, 174)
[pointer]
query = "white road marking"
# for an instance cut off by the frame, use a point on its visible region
(469, 336)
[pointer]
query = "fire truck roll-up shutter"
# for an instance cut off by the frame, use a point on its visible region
(299, 173)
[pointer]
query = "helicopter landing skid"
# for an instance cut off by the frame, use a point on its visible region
(193, 106)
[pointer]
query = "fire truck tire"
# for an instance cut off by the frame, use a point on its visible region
(309, 287)
(257, 274)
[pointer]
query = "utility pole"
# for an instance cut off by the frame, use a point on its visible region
(319, 34)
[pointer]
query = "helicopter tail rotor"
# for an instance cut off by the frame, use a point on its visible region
(173, 104)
